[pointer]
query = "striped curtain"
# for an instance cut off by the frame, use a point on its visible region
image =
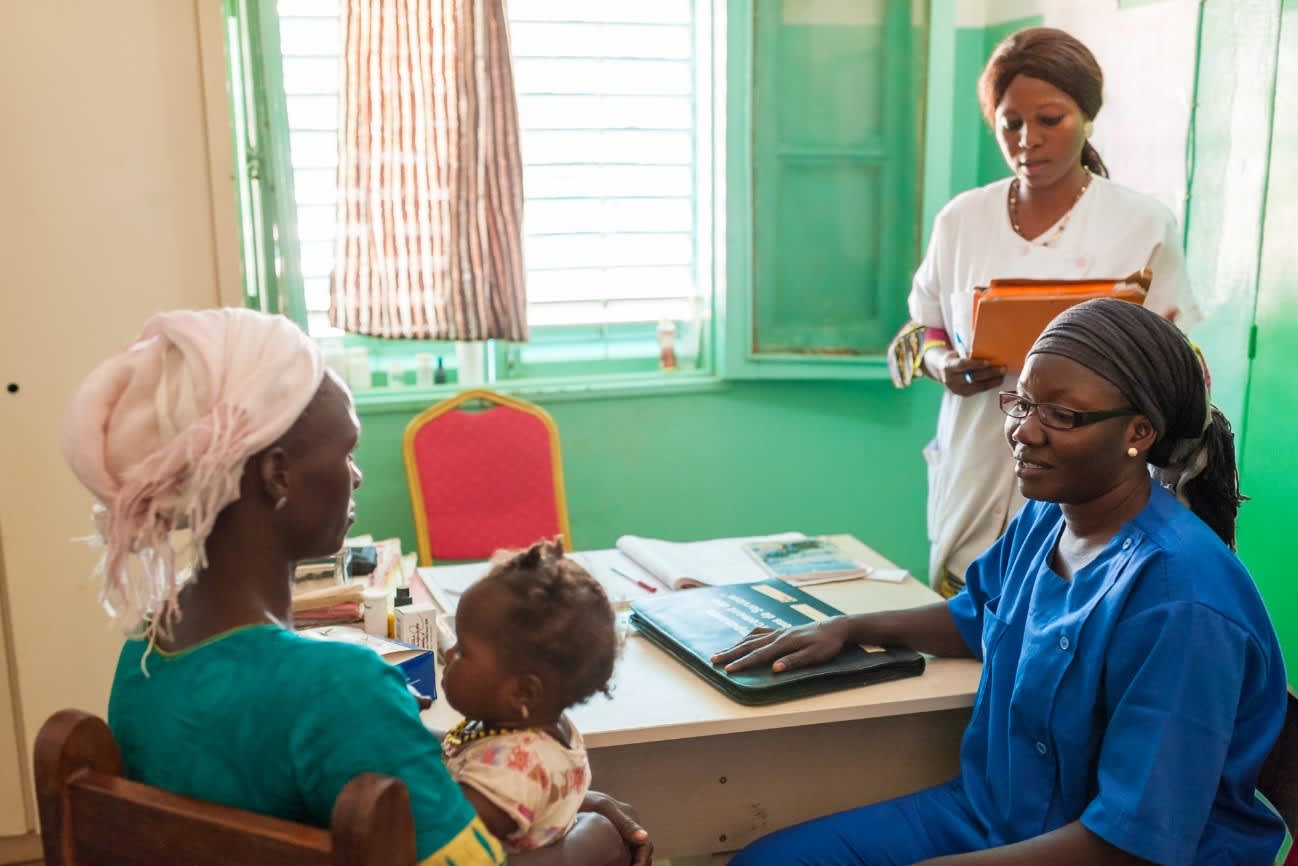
(430, 204)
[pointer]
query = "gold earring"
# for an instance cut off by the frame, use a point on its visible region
(1132, 452)
(524, 712)
(280, 505)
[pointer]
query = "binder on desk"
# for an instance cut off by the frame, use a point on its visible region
(1009, 315)
(691, 626)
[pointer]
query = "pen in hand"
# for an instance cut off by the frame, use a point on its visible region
(647, 587)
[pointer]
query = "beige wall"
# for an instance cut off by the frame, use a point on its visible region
(117, 203)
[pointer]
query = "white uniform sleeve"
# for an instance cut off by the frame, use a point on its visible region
(926, 289)
(1171, 284)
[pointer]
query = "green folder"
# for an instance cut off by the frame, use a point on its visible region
(693, 624)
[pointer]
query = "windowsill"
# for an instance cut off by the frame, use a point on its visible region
(569, 388)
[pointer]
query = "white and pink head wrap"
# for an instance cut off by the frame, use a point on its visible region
(160, 434)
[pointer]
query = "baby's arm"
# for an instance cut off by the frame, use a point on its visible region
(498, 821)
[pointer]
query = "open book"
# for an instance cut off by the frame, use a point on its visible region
(684, 564)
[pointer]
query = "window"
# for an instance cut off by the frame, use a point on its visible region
(774, 144)
(608, 109)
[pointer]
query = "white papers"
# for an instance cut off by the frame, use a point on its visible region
(889, 575)
(715, 562)
(446, 583)
(454, 579)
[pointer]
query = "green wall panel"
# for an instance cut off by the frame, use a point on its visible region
(834, 196)
(960, 151)
(991, 165)
(1227, 191)
(1269, 469)
(1240, 229)
(755, 457)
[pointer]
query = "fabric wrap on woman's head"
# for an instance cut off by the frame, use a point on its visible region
(160, 433)
(1152, 364)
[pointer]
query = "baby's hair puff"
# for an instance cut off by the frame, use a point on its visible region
(558, 615)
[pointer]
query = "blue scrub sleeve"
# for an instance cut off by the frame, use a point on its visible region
(1172, 679)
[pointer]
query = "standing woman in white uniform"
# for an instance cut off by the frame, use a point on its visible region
(1058, 217)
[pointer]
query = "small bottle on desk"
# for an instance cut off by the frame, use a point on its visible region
(401, 599)
(374, 603)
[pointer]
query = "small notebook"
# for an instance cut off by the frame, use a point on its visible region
(1009, 315)
(692, 626)
(805, 561)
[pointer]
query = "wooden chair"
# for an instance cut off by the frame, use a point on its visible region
(1278, 780)
(91, 816)
(481, 480)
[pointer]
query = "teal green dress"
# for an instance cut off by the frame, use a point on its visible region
(266, 720)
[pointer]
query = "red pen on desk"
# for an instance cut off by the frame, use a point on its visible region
(647, 587)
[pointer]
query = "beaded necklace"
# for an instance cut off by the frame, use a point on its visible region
(461, 734)
(1061, 225)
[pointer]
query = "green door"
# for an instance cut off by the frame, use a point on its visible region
(1269, 446)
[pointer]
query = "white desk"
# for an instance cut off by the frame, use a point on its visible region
(709, 775)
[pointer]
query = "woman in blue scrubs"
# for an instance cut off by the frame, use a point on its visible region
(1132, 681)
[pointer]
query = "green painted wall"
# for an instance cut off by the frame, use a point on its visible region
(1243, 216)
(753, 457)
(991, 165)
(960, 151)
(1269, 468)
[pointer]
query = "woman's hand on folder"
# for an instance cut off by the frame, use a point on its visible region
(961, 376)
(788, 648)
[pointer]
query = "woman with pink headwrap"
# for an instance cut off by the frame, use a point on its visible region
(219, 452)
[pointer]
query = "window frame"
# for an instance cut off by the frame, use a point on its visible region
(725, 35)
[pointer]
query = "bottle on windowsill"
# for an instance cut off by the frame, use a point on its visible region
(667, 345)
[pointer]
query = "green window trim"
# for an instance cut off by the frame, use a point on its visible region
(725, 339)
(404, 401)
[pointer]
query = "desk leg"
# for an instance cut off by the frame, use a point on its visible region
(716, 794)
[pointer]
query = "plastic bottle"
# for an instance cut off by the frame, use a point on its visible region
(667, 345)
(424, 370)
(374, 602)
(358, 368)
(401, 599)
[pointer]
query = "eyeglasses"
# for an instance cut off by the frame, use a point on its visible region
(1055, 416)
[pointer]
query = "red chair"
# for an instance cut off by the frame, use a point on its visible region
(483, 477)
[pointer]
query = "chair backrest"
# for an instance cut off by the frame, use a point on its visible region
(91, 816)
(1278, 780)
(485, 479)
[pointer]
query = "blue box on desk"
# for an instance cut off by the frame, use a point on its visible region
(417, 664)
